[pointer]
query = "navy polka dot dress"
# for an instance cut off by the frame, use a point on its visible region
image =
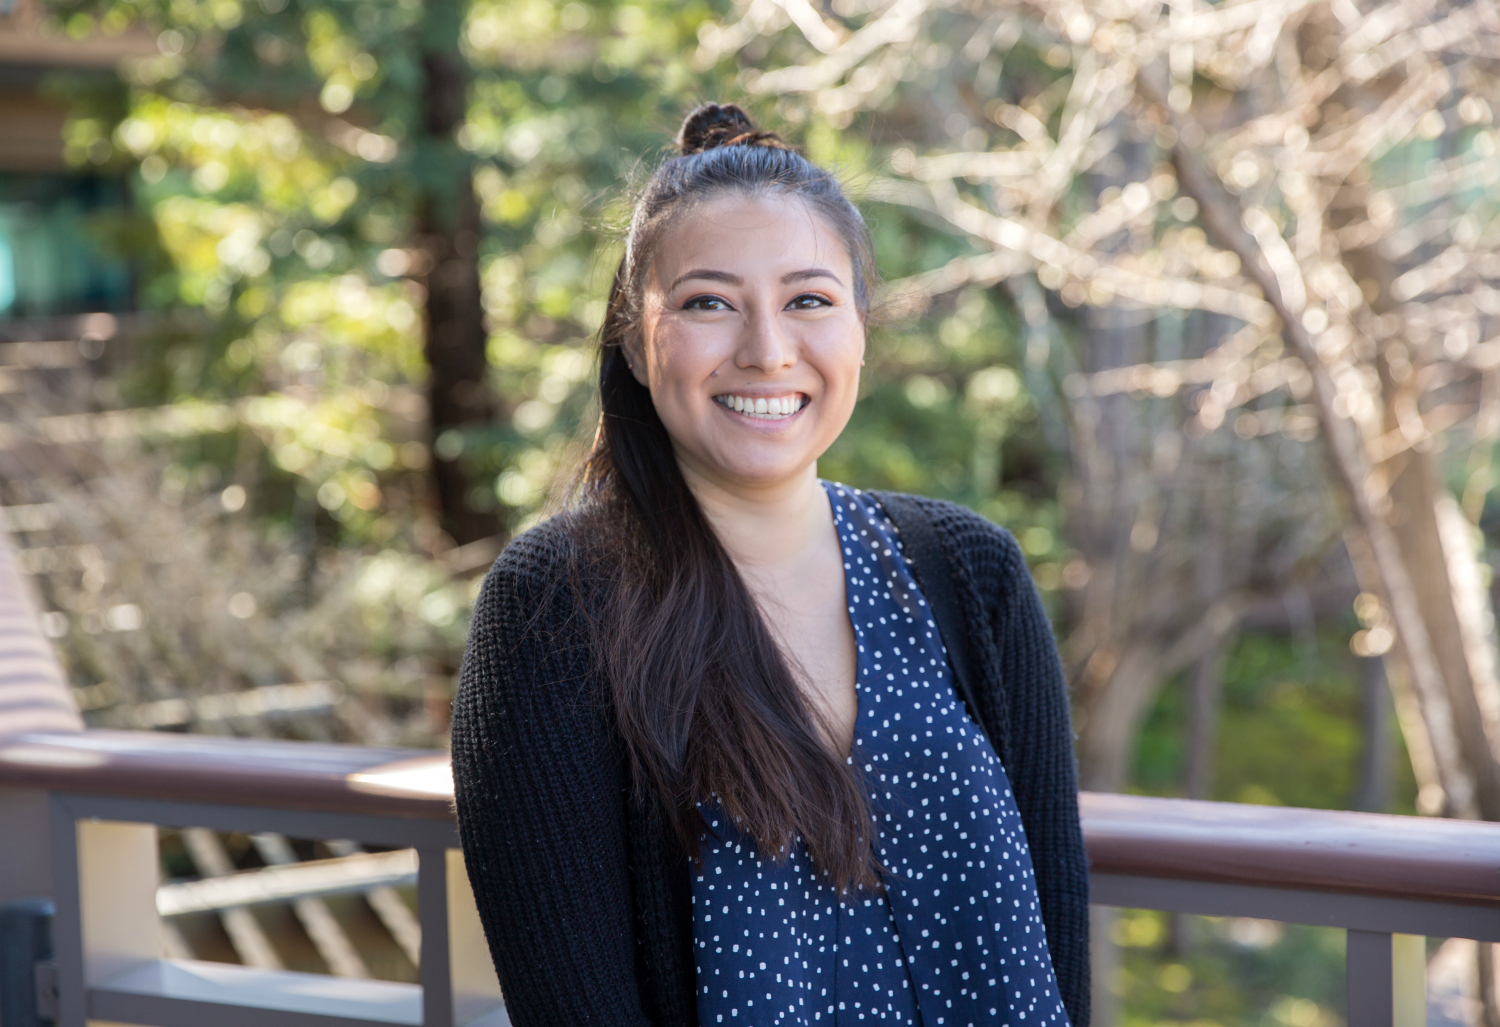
(956, 938)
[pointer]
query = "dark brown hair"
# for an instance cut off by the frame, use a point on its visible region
(707, 703)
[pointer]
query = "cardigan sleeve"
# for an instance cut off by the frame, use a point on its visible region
(541, 800)
(1043, 773)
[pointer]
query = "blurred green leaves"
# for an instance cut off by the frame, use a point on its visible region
(273, 146)
(1223, 971)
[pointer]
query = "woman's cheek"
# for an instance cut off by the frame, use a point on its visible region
(841, 354)
(684, 355)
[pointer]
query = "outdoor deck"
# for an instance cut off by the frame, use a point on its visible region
(1386, 880)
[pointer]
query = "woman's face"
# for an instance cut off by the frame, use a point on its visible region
(751, 341)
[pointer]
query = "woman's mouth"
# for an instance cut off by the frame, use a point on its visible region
(766, 408)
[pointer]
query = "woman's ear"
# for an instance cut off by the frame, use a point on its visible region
(635, 358)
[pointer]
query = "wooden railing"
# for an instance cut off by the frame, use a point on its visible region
(1388, 881)
(108, 792)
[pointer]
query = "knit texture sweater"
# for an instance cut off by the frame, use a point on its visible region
(594, 926)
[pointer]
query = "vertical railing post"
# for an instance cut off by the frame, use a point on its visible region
(25, 944)
(476, 989)
(432, 912)
(458, 980)
(104, 880)
(1409, 984)
(1386, 979)
(119, 870)
(67, 924)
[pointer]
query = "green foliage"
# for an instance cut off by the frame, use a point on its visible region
(1290, 731)
(287, 224)
(1228, 972)
(280, 155)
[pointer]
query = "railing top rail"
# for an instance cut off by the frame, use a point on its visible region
(232, 771)
(1320, 850)
(1423, 858)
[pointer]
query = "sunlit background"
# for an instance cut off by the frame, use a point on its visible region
(1197, 299)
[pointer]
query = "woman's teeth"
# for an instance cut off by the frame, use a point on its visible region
(770, 409)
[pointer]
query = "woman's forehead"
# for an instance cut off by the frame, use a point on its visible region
(747, 235)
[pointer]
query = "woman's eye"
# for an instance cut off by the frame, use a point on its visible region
(809, 301)
(706, 303)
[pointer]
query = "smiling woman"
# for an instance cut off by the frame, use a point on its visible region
(735, 744)
(751, 355)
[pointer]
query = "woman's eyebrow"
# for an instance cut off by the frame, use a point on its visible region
(732, 279)
(812, 272)
(708, 273)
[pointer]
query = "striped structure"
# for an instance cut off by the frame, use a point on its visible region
(33, 694)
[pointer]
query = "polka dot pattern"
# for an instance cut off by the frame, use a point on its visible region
(956, 937)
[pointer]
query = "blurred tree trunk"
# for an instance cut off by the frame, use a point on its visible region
(1397, 675)
(1120, 680)
(1133, 657)
(1115, 696)
(1374, 795)
(1408, 557)
(1431, 533)
(1415, 550)
(458, 391)
(1204, 702)
(1434, 542)
(1206, 685)
(1117, 688)
(1205, 699)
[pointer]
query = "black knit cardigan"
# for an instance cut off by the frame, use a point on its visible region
(586, 897)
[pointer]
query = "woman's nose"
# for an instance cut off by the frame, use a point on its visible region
(764, 344)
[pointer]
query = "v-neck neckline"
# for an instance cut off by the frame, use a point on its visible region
(847, 546)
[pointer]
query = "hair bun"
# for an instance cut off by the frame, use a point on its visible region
(713, 125)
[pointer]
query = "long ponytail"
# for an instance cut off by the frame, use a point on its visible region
(704, 698)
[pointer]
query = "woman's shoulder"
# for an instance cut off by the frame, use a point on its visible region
(984, 548)
(534, 580)
(531, 608)
(541, 552)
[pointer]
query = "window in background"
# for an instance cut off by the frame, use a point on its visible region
(51, 260)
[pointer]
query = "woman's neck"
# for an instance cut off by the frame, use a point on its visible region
(764, 527)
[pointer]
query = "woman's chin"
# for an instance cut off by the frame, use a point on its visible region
(759, 470)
